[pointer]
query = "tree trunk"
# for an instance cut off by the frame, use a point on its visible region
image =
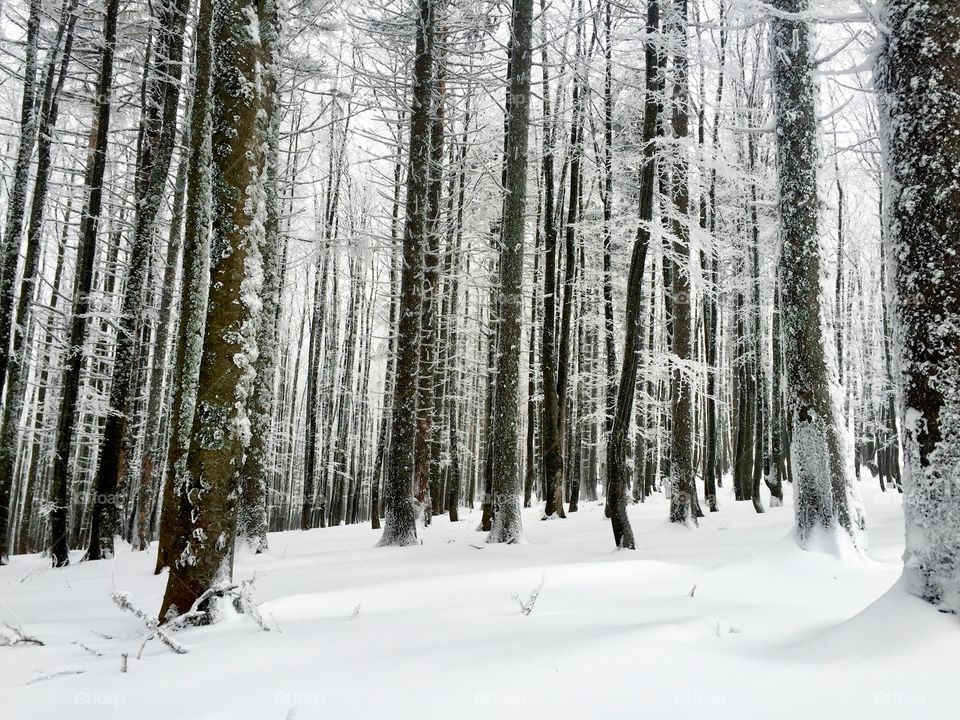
(919, 79)
(400, 521)
(16, 360)
(633, 341)
(252, 517)
(683, 501)
(17, 204)
(824, 498)
(551, 442)
(507, 487)
(221, 426)
(154, 167)
(83, 283)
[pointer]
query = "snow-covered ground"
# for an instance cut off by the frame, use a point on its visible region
(727, 621)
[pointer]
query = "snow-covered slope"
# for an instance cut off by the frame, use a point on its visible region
(728, 621)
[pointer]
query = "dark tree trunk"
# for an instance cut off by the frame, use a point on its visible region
(683, 501)
(221, 431)
(919, 80)
(400, 523)
(16, 206)
(159, 135)
(16, 359)
(83, 283)
(617, 478)
(824, 498)
(507, 487)
(552, 440)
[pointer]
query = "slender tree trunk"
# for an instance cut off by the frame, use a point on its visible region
(683, 501)
(156, 155)
(400, 522)
(617, 478)
(254, 477)
(551, 442)
(16, 361)
(83, 284)
(574, 200)
(507, 487)
(16, 206)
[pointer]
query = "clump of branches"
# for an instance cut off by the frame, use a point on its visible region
(10, 636)
(202, 612)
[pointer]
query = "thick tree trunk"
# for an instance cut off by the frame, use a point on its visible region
(221, 427)
(426, 464)
(824, 498)
(919, 79)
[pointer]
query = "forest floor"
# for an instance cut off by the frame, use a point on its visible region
(730, 620)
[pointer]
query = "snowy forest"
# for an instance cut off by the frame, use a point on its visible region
(514, 358)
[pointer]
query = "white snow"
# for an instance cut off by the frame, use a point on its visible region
(731, 620)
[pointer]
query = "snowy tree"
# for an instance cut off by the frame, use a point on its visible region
(221, 424)
(507, 487)
(825, 501)
(919, 81)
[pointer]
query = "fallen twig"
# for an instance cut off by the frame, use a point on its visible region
(16, 636)
(527, 607)
(122, 600)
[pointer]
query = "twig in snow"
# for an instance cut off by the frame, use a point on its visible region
(54, 675)
(36, 571)
(527, 607)
(122, 600)
(87, 648)
(10, 636)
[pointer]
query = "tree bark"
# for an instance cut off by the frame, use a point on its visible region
(824, 498)
(400, 519)
(919, 81)
(221, 427)
(507, 486)
(617, 479)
